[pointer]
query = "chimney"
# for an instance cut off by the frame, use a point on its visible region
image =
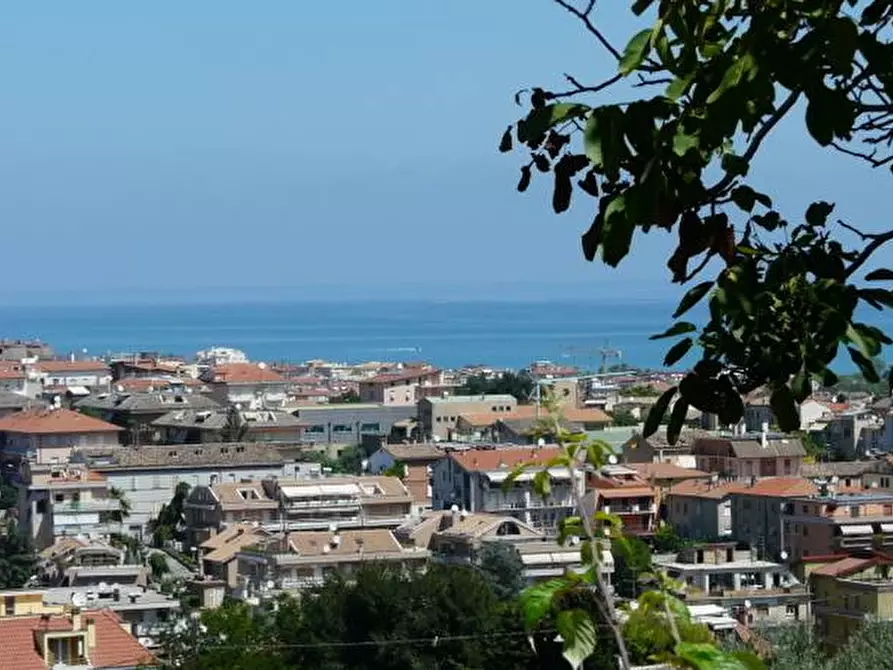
(91, 633)
(77, 620)
(764, 435)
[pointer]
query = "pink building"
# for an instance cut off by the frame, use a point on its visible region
(745, 456)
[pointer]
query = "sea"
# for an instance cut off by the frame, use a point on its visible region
(446, 333)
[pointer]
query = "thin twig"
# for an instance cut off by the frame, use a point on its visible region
(584, 17)
(757, 140)
(579, 88)
(869, 158)
(876, 241)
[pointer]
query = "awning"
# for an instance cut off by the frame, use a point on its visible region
(78, 390)
(317, 490)
(499, 476)
(856, 530)
(887, 527)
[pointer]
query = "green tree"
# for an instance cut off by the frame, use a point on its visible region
(623, 417)
(171, 520)
(236, 428)
(518, 384)
(713, 79)
(632, 560)
(648, 634)
(18, 562)
(124, 506)
(348, 397)
(158, 565)
(667, 540)
(9, 496)
(502, 568)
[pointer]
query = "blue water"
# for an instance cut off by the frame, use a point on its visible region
(450, 334)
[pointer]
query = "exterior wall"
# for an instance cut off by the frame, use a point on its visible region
(97, 379)
(389, 393)
(810, 412)
(700, 518)
(756, 415)
(438, 419)
(347, 424)
(58, 446)
(268, 394)
(757, 520)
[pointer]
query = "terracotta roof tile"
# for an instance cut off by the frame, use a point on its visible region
(370, 540)
(845, 566)
(780, 487)
(43, 421)
(668, 471)
(243, 373)
(698, 488)
(73, 366)
(493, 459)
(115, 647)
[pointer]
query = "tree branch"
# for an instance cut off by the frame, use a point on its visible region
(584, 17)
(579, 88)
(869, 158)
(757, 140)
(876, 241)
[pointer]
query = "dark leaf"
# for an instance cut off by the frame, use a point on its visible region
(636, 51)
(785, 409)
(656, 415)
(677, 419)
(741, 68)
(589, 184)
(745, 197)
(538, 98)
(540, 120)
(691, 298)
(506, 143)
(640, 6)
(617, 232)
(817, 213)
(735, 165)
(877, 296)
(881, 274)
(800, 386)
(561, 194)
(541, 162)
(592, 238)
(866, 367)
(677, 351)
(676, 329)
(525, 178)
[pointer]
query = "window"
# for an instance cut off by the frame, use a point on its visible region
(9, 605)
(854, 510)
(41, 506)
(59, 497)
(370, 428)
(888, 510)
(318, 428)
(341, 428)
(806, 509)
(787, 466)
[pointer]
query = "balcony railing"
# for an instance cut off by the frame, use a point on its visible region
(95, 505)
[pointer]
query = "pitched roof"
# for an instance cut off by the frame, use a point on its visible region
(163, 456)
(406, 375)
(354, 541)
(227, 543)
(229, 494)
(781, 487)
(493, 459)
(41, 421)
(243, 373)
(530, 412)
(699, 488)
(11, 370)
(115, 647)
(217, 419)
(668, 471)
(840, 468)
(158, 401)
(72, 366)
(845, 566)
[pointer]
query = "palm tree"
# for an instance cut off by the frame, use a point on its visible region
(124, 506)
(235, 428)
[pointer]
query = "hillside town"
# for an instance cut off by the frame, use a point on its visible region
(152, 487)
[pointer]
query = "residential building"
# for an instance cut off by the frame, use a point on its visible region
(48, 435)
(458, 537)
(702, 509)
(93, 639)
(439, 416)
(621, 491)
(218, 554)
(848, 592)
(811, 410)
(664, 476)
(758, 514)
(210, 509)
(136, 412)
(75, 552)
(752, 455)
(472, 479)
(400, 387)
(187, 426)
(299, 504)
(758, 413)
(149, 476)
(18, 350)
(753, 590)
(832, 523)
(852, 475)
(657, 449)
(417, 463)
(253, 386)
(144, 613)
(349, 423)
(291, 562)
(855, 432)
(524, 424)
(58, 376)
(66, 500)
(10, 403)
(16, 378)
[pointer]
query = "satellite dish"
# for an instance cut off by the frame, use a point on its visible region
(784, 555)
(541, 442)
(270, 584)
(612, 459)
(835, 479)
(326, 549)
(333, 527)
(454, 509)
(57, 401)
(238, 407)
(103, 587)
(262, 365)
(78, 599)
(747, 604)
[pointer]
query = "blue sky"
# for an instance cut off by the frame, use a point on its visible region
(308, 149)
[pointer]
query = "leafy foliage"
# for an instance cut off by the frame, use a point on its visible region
(171, 520)
(667, 540)
(623, 417)
(518, 384)
(18, 562)
(714, 79)
(502, 569)
(632, 559)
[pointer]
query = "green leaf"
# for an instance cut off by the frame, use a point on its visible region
(679, 328)
(636, 51)
(683, 142)
(784, 408)
(735, 165)
(677, 351)
(542, 483)
(864, 339)
(677, 419)
(741, 68)
(800, 386)
(617, 231)
(679, 86)
(656, 415)
(603, 138)
(691, 298)
(881, 274)
(641, 6)
(819, 119)
(817, 213)
(706, 656)
(536, 600)
(578, 634)
(866, 367)
(539, 120)
(745, 197)
(506, 143)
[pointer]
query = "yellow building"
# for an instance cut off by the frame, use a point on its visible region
(25, 602)
(849, 591)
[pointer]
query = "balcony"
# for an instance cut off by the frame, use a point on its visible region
(94, 505)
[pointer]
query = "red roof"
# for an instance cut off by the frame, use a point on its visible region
(492, 459)
(407, 375)
(698, 488)
(11, 370)
(668, 471)
(73, 366)
(41, 421)
(781, 487)
(847, 566)
(115, 647)
(244, 373)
